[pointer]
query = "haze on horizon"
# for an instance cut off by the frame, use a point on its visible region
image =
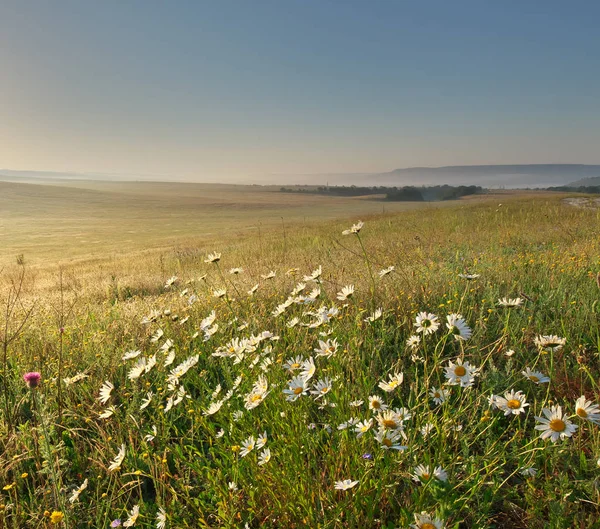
(239, 90)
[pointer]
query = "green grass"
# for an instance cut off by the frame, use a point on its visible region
(536, 248)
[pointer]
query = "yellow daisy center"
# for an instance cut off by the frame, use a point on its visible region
(513, 404)
(425, 475)
(460, 371)
(375, 404)
(557, 425)
(425, 323)
(386, 442)
(390, 423)
(437, 395)
(295, 366)
(427, 526)
(256, 397)
(582, 413)
(533, 378)
(298, 390)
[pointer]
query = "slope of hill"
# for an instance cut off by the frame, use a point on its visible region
(592, 181)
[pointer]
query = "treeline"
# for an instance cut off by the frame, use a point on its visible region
(396, 194)
(576, 189)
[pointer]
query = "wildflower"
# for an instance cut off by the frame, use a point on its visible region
(348, 424)
(321, 388)
(158, 334)
(118, 460)
(235, 271)
(75, 495)
(390, 419)
(105, 392)
(264, 457)
(427, 429)
(425, 521)
(513, 402)
(374, 316)
(133, 516)
(56, 517)
(232, 485)
(308, 369)
(424, 473)
(74, 379)
(510, 303)
(528, 472)
(469, 277)
(427, 323)
(161, 518)
(376, 403)
(438, 395)
(32, 379)
(108, 412)
(253, 290)
(356, 403)
(554, 425)
(315, 274)
(394, 381)
(261, 440)
(550, 342)
(219, 293)
(345, 293)
(354, 229)
(535, 376)
(131, 354)
(389, 439)
(116, 523)
(213, 258)
(386, 271)
(458, 327)
(296, 388)
(587, 410)
(345, 484)
(247, 446)
(151, 436)
(460, 373)
(363, 427)
(171, 281)
(327, 348)
(147, 400)
(367, 456)
(413, 341)
(509, 353)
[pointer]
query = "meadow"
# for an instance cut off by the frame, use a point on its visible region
(431, 367)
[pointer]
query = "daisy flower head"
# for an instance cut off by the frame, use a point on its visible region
(363, 427)
(308, 369)
(118, 460)
(75, 495)
(133, 516)
(264, 457)
(510, 303)
(439, 396)
(549, 342)
(354, 229)
(261, 441)
(214, 257)
(458, 327)
(171, 281)
(413, 341)
(105, 392)
(345, 293)
(389, 439)
(270, 275)
(321, 388)
(586, 409)
(529, 472)
(513, 402)
(460, 373)
(427, 323)
(394, 381)
(327, 348)
(425, 521)
(247, 446)
(296, 388)
(535, 376)
(386, 271)
(236, 271)
(469, 277)
(219, 293)
(374, 316)
(554, 425)
(424, 473)
(377, 404)
(292, 364)
(345, 484)
(161, 518)
(390, 420)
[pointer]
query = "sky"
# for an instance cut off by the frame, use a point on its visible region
(236, 89)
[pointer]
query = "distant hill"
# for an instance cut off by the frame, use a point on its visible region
(586, 182)
(535, 175)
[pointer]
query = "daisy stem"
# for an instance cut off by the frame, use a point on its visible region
(373, 287)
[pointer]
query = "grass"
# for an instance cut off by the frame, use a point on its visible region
(536, 248)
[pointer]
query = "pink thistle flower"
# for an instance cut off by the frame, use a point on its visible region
(32, 379)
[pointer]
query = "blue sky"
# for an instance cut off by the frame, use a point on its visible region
(243, 88)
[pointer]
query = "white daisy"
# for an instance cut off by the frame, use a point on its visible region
(535, 376)
(458, 327)
(374, 316)
(321, 388)
(554, 425)
(394, 381)
(345, 484)
(363, 427)
(264, 457)
(513, 402)
(247, 446)
(376, 404)
(460, 373)
(105, 392)
(585, 409)
(413, 341)
(296, 388)
(161, 518)
(425, 521)
(427, 323)
(133, 516)
(389, 439)
(213, 258)
(75, 494)
(354, 229)
(510, 303)
(439, 396)
(550, 342)
(386, 271)
(345, 293)
(118, 460)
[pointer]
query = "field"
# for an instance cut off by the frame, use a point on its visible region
(206, 363)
